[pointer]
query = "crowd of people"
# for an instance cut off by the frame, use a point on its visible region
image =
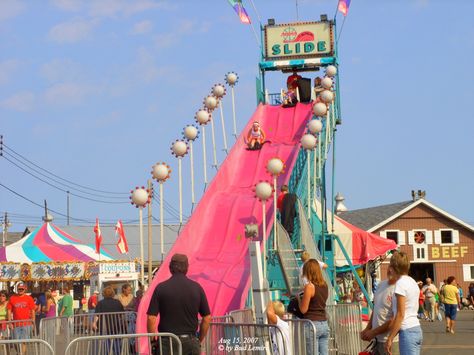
(21, 312)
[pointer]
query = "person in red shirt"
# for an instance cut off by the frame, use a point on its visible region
(21, 308)
(292, 80)
(284, 191)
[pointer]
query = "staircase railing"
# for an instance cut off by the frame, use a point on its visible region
(288, 261)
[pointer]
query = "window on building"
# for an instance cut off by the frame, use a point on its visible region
(468, 272)
(446, 237)
(420, 252)
(393, 236)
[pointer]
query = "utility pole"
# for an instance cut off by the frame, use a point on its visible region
(5, 225)
(150, 240)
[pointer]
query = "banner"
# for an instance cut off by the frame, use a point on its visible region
(57, 271)
(299, 40)
(10, 272)
(62, 271)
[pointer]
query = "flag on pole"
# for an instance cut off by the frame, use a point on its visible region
(343, 6)
(98, 236)
(122, 245)
(240, 10)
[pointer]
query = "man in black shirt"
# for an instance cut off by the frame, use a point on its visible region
(179, 300)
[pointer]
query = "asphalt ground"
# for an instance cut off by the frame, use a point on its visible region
(437, 341)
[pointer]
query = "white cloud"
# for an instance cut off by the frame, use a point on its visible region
(68, 93)
(183, 28)
(142, 27)
(22, 101)
(113, 8)
(7, 68)
(68, 5)
(73, 31)
(58, 70)
(10, 9)
(144, 70)
(422, 3)
(163, 40)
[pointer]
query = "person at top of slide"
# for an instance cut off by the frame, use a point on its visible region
(292, 80)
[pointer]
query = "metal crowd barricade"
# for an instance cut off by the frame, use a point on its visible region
(12, 328)
(244, 339)
(242, 315)
(345, 325)
(102, 323)
(302, 336)
(60, 331)
(30, 346)
(55, 331)
(126, 344)
(222, 319)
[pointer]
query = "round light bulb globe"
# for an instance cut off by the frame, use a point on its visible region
(308, 141)
(140, 197)
(160, 172)
(203, 117)
(275, 166)
(190, 132)
(263, 190)
(326, 83)
(218, 90)
(331, 71)
(231, 78)
(210, 102)
(180, 148)
(320, 109)
(315, 126)
(327, 96)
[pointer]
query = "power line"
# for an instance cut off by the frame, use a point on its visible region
(56, 181)
(61, 189)
(71, 182)
(39, 205)
(168, 207)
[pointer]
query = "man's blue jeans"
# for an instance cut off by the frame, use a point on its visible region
(410, 341)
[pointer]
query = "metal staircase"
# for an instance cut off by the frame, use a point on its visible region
(288, 261)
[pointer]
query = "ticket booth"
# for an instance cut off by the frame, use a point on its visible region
(114, 274)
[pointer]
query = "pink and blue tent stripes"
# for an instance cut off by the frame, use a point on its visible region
(49, 243)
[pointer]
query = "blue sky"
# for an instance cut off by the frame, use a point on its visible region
(96, 91)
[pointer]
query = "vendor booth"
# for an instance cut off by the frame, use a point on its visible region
(48, 258)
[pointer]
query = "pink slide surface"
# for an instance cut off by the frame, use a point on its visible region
(214, 238)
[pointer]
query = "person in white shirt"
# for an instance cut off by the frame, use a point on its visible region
(405, 309)
(304, 258)
(430, 290)
(382, 315)
(275, 313)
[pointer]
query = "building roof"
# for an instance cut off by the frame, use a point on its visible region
(366, 218)
(373, 218)
(86, 234)
(13, 237)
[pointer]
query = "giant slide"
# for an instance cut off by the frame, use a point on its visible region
(213, 239)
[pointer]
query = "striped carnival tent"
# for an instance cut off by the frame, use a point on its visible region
(362, 246)
(48, 243)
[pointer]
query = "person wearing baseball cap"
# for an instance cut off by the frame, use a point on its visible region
(179, 300)
(21, 308)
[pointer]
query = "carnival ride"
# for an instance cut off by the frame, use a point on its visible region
(302, 137)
